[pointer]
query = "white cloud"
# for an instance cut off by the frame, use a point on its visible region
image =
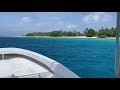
(95, 17)
(26, 20)
(58, 25)
(71, 26)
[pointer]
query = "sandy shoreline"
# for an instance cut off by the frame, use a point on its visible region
(80, 37)
(112, 38)
(59, 37)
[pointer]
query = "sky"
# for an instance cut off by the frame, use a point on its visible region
(21, 23)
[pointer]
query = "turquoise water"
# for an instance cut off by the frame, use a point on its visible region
(88, 58)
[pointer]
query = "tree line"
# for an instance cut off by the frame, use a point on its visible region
(58, 33)
(89, 32)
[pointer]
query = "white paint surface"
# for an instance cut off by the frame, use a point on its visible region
(19, 67)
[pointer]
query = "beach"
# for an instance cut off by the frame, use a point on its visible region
(78, 37)
(111, 38)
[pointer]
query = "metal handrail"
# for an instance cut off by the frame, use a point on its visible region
(117, 72)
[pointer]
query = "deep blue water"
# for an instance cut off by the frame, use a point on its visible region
(88, 58)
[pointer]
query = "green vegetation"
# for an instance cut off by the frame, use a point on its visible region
(56, 33)
(39, 34)
(89, 32)
(106, 32)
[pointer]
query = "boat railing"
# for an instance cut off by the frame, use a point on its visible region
(36, 75)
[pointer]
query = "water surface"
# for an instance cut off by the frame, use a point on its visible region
(88, 58)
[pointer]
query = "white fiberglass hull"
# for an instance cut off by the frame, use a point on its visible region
(21, 63)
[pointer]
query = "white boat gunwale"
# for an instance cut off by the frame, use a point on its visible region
(54, 67)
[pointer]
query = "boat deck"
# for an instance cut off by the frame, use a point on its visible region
(20, 67)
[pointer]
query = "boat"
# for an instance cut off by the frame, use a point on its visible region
(22, 63)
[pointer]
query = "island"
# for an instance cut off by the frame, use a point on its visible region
(89, 32)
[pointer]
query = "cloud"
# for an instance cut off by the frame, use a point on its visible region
(95, 17)
(26, 20)
(57, 25)
(71, 26)
(48, 21)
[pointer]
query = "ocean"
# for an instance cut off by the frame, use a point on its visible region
(88, 58)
